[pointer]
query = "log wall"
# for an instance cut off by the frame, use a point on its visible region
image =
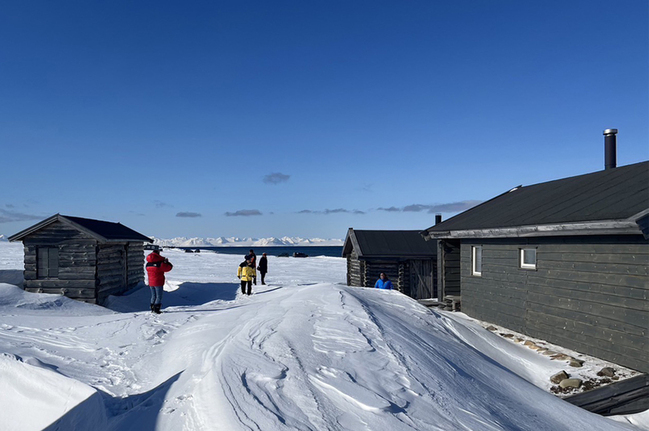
(135, 263)
(112, 271)
(406, 276)
(77, 261)
(373, 271)
(88, 271)
(355, 269)
(589, 294)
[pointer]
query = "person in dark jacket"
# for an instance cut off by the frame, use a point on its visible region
(156, 266)
(263, 267)
(383, 282)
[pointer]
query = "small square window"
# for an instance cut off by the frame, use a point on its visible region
(48, 262)
(476, 260)
(528, 258)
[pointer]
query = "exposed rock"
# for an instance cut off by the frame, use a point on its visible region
(570, 383)
(561, 357)
(542, 350)
(549, 353)
(559, 377)
(507, 335)
(589, 385)
(606, 371)
(491, 328)
(519, 339)
(529, 343)
(576, 362)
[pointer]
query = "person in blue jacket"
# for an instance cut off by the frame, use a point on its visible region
(383, 282)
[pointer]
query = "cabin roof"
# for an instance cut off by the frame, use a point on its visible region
(103, 231)
(389, 243)
(596, 203)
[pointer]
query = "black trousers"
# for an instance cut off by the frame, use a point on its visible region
(243, 287)
(263, 274)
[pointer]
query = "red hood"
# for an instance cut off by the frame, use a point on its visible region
(154, 257)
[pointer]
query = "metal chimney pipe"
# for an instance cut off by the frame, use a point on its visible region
(438, 218)
(610, 148)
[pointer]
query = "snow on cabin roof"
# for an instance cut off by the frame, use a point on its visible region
(389, 243)
(103, 231)
(619, 194)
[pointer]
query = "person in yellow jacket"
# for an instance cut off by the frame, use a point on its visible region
(247, 273)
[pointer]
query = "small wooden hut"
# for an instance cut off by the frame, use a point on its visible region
(403, 255)
(81, 258)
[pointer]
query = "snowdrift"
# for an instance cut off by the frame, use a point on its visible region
(35, 397)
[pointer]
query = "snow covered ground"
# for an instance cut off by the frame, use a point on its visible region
(305, 352)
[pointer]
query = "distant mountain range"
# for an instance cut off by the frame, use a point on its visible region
(245, 242)
(239, 242)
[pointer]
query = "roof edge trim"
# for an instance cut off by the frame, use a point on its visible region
(609, 227)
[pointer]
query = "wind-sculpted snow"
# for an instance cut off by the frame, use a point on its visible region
(303, 353)
(42, 398)
(328, 357)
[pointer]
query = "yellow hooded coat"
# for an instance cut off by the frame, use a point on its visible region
(247, 273)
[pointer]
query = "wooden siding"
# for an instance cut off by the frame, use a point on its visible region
(87, 271)
(77, 260)
(112, 270)
(373, 271)
(135, 263)
(354, 270)
(415, 278)
(422, 279)
(58, 233)
(589, 294)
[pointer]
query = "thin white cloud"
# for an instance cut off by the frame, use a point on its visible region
(391, 209)
(12, 216)
(160, 204)
(276, 178)
(188, 214)
(451, 207)
(243, 213)
(334, 211)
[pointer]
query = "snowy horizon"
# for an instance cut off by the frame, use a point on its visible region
(235, 241)
(245, 242)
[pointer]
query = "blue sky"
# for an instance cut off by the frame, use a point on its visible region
(258, 118)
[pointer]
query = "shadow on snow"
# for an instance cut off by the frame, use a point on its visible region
(186, 295)
(102, 411)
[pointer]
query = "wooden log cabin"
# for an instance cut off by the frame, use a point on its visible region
(403, 255)
(566, 261)
(82, 258)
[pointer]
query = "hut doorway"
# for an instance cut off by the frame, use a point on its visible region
(422, 279)
(449, 260)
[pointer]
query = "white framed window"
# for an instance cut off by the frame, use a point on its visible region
(476, 260)
(528, 258)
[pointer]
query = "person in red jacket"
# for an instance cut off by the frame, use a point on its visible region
(156, 266)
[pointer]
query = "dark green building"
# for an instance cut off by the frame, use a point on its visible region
(566, 261)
